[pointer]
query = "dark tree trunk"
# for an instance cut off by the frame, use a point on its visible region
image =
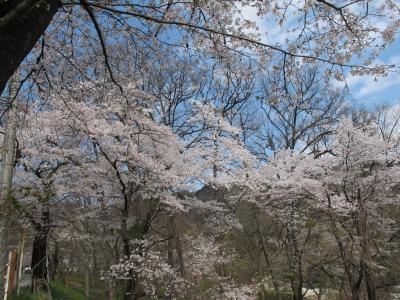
(38, 265)
(39, 254)
(130, 283)
(55, 260)
(370, 285)
(170, 241)
(355, 293)
(22, 23)
(179, 250)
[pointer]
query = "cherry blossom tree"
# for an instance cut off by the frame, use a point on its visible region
(330, 32)
(139, 125)
(351, 189)
(123, 158)
(300, 109)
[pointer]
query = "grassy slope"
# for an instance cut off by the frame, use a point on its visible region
(59, 292)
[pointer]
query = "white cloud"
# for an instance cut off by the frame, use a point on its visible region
(250, 13)
(367, 85)
(271, 32)
(372, 86)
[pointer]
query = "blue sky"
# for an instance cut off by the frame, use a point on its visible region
(364, 90)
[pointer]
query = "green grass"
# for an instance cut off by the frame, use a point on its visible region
(25, 294)
(59, 291)
(96, 293)
(62, 292)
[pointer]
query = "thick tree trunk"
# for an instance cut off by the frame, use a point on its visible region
(371, 288)
(174, 244)
(38, 265)
(355, 293)
(130, 283)
(22, 23)
(55, 260)
(39, 255)
(170, 242)
(179, 250)
(300, 274)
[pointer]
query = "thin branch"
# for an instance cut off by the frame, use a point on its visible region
(233, 36)
(103, 45)
(16, 94)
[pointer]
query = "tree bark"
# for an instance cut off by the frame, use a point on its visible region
(178, 245)
(371, 288)
(355, 293)
(170, 242)
(20, 29)
(38, 265)
(130, 283)
(39, 255)
(55, 260)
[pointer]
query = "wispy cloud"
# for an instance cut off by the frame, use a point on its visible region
(250, 13)
(373, 86)
(367, 89)
(362, 86)
(269, 29)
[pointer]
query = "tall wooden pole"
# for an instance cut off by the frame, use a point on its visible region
(11, 268)
(21, 259)
(6, 284)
